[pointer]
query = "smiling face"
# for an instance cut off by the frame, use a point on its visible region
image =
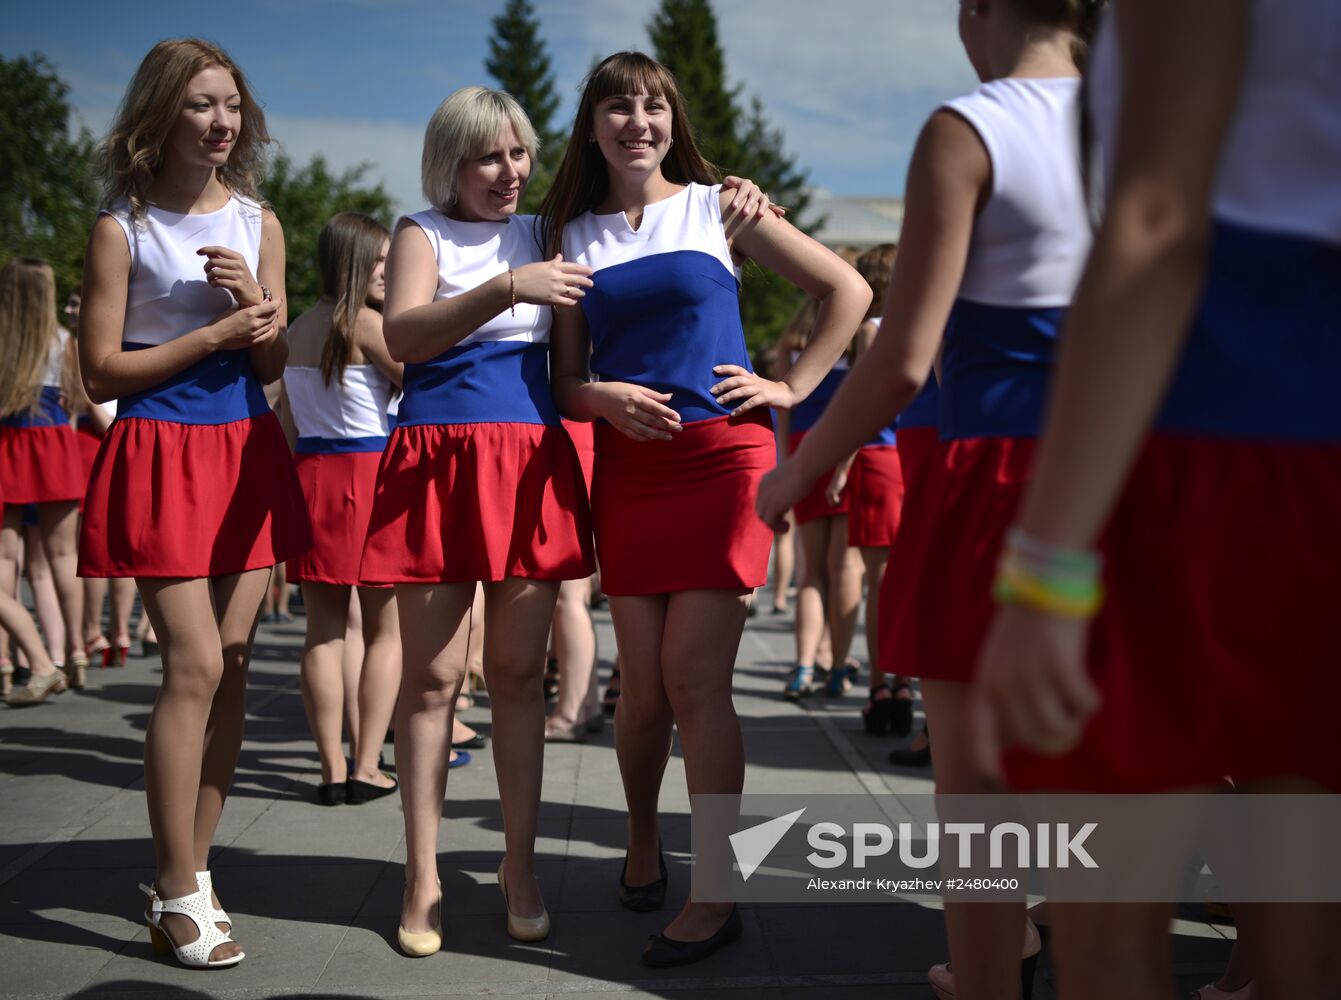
(209, 121)
(376, 295)
(633, 132)
(490, 184)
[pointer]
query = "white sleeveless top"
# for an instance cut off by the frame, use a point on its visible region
(56, 359)
(168, 294)
(356, 409)
(1031, 239)
(1280, 167)
(470, 253)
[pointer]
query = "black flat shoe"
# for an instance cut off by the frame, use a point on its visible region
(911, 758)
(477, 742)
(334, 794)
(644, 898)
(359, 792)
(662, 952)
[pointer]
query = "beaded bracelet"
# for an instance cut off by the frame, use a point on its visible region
(512, 291)
(1048, 578)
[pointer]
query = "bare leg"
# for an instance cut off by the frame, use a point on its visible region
(575, 649)
(844, 592)
(379, 680)
(322, 682)
(351, 669)
(698, 655)
(643, 724)
(433, 632)
(986, 939)
(123, 602)
(874, 560)
(517, 617)
(811, 598)
(174, 745)
(1110, 951)
(46, 599)
(95, 593)
(16, 621)
(11, 549)
(784, 563)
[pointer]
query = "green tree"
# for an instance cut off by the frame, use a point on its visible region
(48, 196)
(303, 199)
(519, 62)
(684, 37)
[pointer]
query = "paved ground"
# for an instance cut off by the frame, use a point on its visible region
(316, 892)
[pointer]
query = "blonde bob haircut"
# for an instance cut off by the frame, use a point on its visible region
(464, 126)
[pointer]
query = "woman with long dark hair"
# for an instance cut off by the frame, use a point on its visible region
(657, 355)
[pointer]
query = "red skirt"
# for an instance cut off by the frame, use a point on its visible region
(457, 503)
(583, 435)
(40, 464)
(874, 497)
(192, 500)
(1216, 648)
(815, 504)
(917, 447)
(941, 603)
(339, 490)
(679, 515)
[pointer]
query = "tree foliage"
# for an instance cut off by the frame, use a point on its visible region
(519, 62)
(48, 196)
(739, 141)
(303, 199)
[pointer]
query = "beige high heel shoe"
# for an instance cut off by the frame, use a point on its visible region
(942, 980)
(523, 928)
(420, 944)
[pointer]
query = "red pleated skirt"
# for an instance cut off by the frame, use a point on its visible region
(941, 601)
(40, 464)
(457, 503)
(191, 500)
(338, 488)
(815, 504)
(917, 447)
(679, 515)
(583, 435)
(1216, 650)
(874, 497)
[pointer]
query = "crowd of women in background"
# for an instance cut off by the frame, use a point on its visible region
(1059, 456)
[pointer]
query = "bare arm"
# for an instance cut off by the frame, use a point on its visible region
(822, 274)
(418, 329)
(949, 172)
(107, 370)
(268, 356)
(371, 342)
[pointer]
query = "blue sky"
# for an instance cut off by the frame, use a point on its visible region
(849, 82)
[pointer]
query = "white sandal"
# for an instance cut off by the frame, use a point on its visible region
(200, 911)
(205, 883)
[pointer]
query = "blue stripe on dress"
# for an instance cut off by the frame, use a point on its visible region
(47, 413)
(489, 382)
(338, 446)
(1263, 356)
(923, 411)
(806, 414)
(995, 368)
(218, 389)
(664, 321)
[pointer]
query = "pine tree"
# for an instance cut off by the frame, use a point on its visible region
(520, 63)
(684, 37)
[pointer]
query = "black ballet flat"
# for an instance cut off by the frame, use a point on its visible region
(477, 742)
(644, 898)
(359, 792)
(911, 758)
(334, 794)
(663, 952)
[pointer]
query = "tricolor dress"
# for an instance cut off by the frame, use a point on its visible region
(39, 455)
(194, 477)
(664, 310)
(1028, 248)
(875, 490)
(1216, 649)
(479, 480)
(805, 415)
(342, 432)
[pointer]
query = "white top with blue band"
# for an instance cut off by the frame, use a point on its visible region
(349, 414)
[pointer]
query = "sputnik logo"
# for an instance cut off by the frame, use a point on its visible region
(753, 846)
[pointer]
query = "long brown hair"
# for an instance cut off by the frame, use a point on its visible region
(27, 331)
(347, 251)
(131, 155)
(1080, 17)
(876, 265)
(583, 179)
